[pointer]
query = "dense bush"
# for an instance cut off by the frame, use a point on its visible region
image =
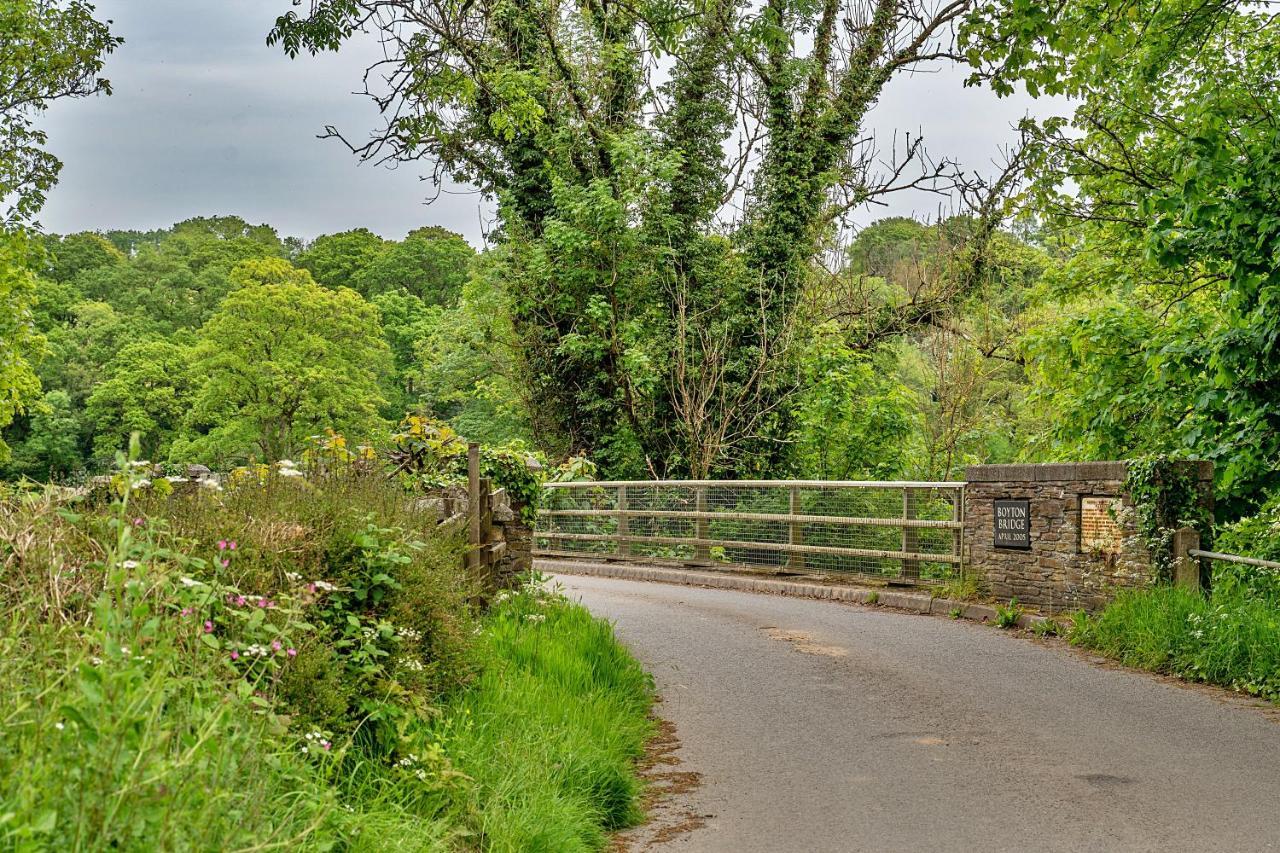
(295, 663)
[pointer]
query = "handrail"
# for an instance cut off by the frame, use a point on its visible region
(813, 484)
(911, 530)
(1234, 558)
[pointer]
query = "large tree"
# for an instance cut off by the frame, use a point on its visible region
(48, 51)
(280, 360)
(1163, 183)
(660, 237)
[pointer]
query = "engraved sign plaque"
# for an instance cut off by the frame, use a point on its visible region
(1013, 524)
(1099, 531)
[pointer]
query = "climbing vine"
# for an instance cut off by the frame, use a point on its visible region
(1166, 496)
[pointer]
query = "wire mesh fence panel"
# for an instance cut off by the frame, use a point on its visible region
(892, 530)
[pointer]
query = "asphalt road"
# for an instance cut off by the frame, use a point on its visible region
(818, 726)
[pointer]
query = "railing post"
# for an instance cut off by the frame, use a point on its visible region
(624, 523)
(910, 535)
(700, 527)
(1186, 568)
(473, 506)
(795, 530)
(957, 533)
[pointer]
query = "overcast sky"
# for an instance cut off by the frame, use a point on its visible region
(207, 120)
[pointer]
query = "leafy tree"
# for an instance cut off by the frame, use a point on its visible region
(20, 342)
(335, 260)
(1171, 152)
(628, 264)
(50, 449)
(49, 50)
(406, 320)
(147, 390)
(281, 359)
(73, 254)
(431, 264)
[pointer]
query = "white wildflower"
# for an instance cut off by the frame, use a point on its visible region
(175, 479)
(290, 472)
(535, 617)
(189, 582)
(411, 664)
(323, 586)
(130, 564)
(59, 726)
(408, 634)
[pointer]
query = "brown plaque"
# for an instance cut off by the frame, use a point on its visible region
(1100, 532)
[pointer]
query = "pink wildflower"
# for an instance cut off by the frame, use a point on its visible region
(226, 563)
(275, 645)
(293, 653)
(235, 655)
(262, 602)
(222, 544)
(186, 611)
(137, 522)
(240, 600)
(326, 745)
(208, 626)
(311, 587)
(232, 544)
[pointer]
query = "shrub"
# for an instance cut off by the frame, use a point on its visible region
(295, 663)
(1007, 616)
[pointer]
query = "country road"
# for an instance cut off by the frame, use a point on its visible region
(818, 726)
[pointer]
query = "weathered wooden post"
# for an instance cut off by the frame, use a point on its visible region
(624, 523)
(910, 535)
(1186, 568)
(795, 530)
(701, 529)
(473, 506)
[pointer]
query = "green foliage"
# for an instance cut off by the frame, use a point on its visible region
(148, 392)
(1170, 342)
(1166, 496)
(20, 343)
(1007, 615)
(335, 260)
(201, 685)
(282, 358)
(1046, 628)
(1231, 638)
(431, 264)
(1257, 535)
(48, 51)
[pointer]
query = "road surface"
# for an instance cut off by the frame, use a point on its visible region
(818, 726)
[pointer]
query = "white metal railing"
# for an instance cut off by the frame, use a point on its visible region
(1234, 558)
(889, 529)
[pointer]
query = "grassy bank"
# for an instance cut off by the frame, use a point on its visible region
(1230, 637)
(295, 665)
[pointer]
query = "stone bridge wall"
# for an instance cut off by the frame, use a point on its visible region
(1081, 540)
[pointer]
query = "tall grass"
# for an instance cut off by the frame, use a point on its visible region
(1230, 637)
(143, 708)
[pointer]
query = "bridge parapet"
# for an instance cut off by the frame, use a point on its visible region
(1059, 536)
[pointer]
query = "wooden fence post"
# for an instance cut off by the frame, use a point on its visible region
(473, 506)
(910, 535)
(795, 531)
(700, 526)
(624, 523)
(1186, 568)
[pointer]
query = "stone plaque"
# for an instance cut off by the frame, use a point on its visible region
(1100, 532)
(1013, 524)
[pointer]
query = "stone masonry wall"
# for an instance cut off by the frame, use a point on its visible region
(1061, 570)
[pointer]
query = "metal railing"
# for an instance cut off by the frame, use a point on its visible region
(910, 531)
(1234, 558)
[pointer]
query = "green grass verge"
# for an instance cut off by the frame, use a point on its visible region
(1229, 638)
